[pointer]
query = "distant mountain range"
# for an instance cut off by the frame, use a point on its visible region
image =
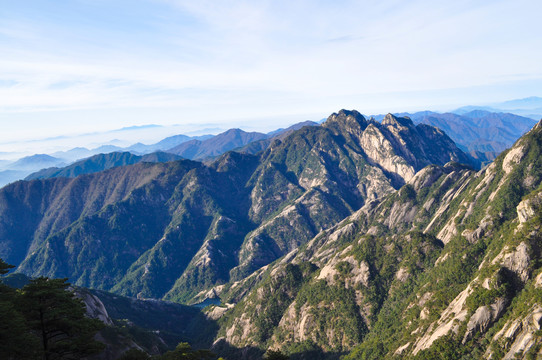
(137, 148)
(51, 164)
(249, 142)
(12, 171)
(530, 107)
(101, 162)
(481, 133)
(217, 145)
(207, 148)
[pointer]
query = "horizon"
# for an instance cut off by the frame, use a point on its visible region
(149, 134)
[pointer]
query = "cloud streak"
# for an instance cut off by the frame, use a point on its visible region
(243, 59)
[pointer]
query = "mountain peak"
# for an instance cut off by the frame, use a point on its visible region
(393, 120)
(351, 119)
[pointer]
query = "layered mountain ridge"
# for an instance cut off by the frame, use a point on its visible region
(101, 162)
(448, 267)
(481, 133)
(358, 238)
(174, 229)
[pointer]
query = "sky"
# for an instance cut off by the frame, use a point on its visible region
(71, 67)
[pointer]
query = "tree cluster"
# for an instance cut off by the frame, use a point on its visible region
(44, 320)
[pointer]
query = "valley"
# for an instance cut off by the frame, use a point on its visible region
(358, 238)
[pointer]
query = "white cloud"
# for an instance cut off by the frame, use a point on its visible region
(242, 59)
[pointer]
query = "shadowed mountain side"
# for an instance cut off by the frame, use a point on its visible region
(175, 230)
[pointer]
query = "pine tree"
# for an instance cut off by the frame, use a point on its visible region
(184, 351)
(15, 339)
(58, 319)
(275, 355)
(4, 267)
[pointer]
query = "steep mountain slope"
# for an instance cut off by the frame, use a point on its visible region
(99, 163)
(447, 267)
(175, 230)
(260, 145)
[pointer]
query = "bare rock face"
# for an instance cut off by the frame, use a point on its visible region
(346, 230)
(513, 157)
(517, 261)
(426, 177)
(527, 208)
(402, 274)
(483, 317)
(240, 331)
(359, 273)
(95, 307)
(525, 211)
(375, 184)
(449, 320)
(401, 349)
(298, 325)
(381, 151)
(400, 213)
(473, 235)
(218, 311)
(520, 334)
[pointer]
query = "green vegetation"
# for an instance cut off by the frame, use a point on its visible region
(332, 305)
(44, 320)
(184, 351)
(275, 355)
(368, 287)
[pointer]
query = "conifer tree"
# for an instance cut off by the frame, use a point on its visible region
(58, 319)
(184, 351)
(15, 339)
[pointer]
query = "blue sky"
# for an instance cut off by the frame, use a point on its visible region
(79, 66)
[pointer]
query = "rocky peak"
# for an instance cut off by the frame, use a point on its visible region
(395, 121)
(347, 119)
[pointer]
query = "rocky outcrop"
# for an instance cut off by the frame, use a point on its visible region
(94, 306)
(358, 272)
(240, 331)
(519, 334)
(512, 158)
(218, 311)
(381, 151)
(449, 321)
(483, 318)
(516, 260)
(426, 177)
(527, 208)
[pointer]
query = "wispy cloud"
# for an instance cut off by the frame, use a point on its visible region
(240, 59)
